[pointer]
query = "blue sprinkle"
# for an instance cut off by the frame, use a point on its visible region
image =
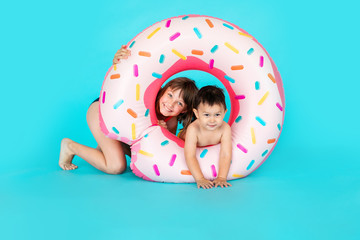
(238, 119)
(116, 105)
(260, 121)
(228, 26)
(264, 153)
(186, 17)
(164, 143)
(214, 49)
(132, 44)
(197, 33)
(229, 79)
(279, 126)
(250, 164)
(203, 153)
(157, 75)
(257, 85)
(251, 50)
(162, 58)
(115, 130)
(146, 135)
(147, 112)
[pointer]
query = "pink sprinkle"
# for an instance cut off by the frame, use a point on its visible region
(103, 97)
(240, 97)
(172, 160)
(279, 106)
(261, 61)
(136, 70)
(168, 23)
(156, 170)
(211, 64)
(213, 170)
(242, 148)
(175, 36)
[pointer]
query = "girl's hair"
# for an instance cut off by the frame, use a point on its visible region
(188, 91)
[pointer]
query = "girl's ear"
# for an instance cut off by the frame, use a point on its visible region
(196, 113)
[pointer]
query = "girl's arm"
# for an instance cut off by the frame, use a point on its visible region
(122, 53)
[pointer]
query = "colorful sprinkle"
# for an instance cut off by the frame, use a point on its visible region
(115, 130)
(238, 176)
(132, 44)
(211, 64)
(279, 126)
(132, 113)
(261, 61)
(253, 136)
(232, 48)
(153, 33)
(103, 97)
(164, 143)
(115, 67)
(179, 54)
(211, 25)
(186, 17)
(185, 172)
(137, 92)
(250, 164)
(156, 75)
(175, 36)
(198, 34)
(197, 52)
(213, 169)
(172, 160)
(237, 67)
(262, 122)
(162, 58)
(118, 103)
(263, 98)
(203, 153)
(239, 97)
(115, 76)
(136, 70)
(279, 106)
(264, 153)
(214, 49)
(242, 148)
(269, 141)
(228, 26)
(168, 23)
(238, 119)
(146, 153)
(229, 79)
(250, 51)
(144, 54)
(147, 112)
(271, 78)
(257, 85)
(156, 170)
(246, 35)
(146, 135)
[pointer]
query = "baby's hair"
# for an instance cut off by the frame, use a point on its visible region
(188, 92)
(210, 95)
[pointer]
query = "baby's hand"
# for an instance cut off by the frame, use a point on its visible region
(221, 182)
(204, 183)
(162, 123)
(122, 53)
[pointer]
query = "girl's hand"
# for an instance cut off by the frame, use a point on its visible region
(204, 183)
(221, 182)
(162, 123)
(122, 53)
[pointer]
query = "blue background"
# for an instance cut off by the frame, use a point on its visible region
(54, 56)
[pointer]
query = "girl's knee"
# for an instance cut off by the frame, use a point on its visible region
(116, 169)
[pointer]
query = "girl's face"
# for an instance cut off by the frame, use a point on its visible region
(171, 104)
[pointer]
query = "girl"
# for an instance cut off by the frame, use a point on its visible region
(174, 103)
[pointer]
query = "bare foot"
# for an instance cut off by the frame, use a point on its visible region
(66, 155)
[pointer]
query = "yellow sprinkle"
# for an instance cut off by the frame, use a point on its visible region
(137, 92)
(146, 153)
(152, 34)
(253, 136)
(231, 47)
(246, 35)
(114, 67)
(133, 131)
(238, 176)
(263, 98)
(179, 54)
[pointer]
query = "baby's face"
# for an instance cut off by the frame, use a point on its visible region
(210, 117)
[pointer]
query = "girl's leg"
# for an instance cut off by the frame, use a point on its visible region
(108, 157)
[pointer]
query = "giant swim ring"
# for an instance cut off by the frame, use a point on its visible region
(193, 42)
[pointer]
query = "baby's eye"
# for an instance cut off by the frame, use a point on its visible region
(206, 114)
(217, 115)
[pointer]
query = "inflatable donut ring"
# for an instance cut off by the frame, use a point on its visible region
(212, 45)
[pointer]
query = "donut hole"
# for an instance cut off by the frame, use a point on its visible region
(202, 79)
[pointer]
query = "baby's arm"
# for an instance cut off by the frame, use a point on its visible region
(122, 53)
(191, 161)
(225, 158)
